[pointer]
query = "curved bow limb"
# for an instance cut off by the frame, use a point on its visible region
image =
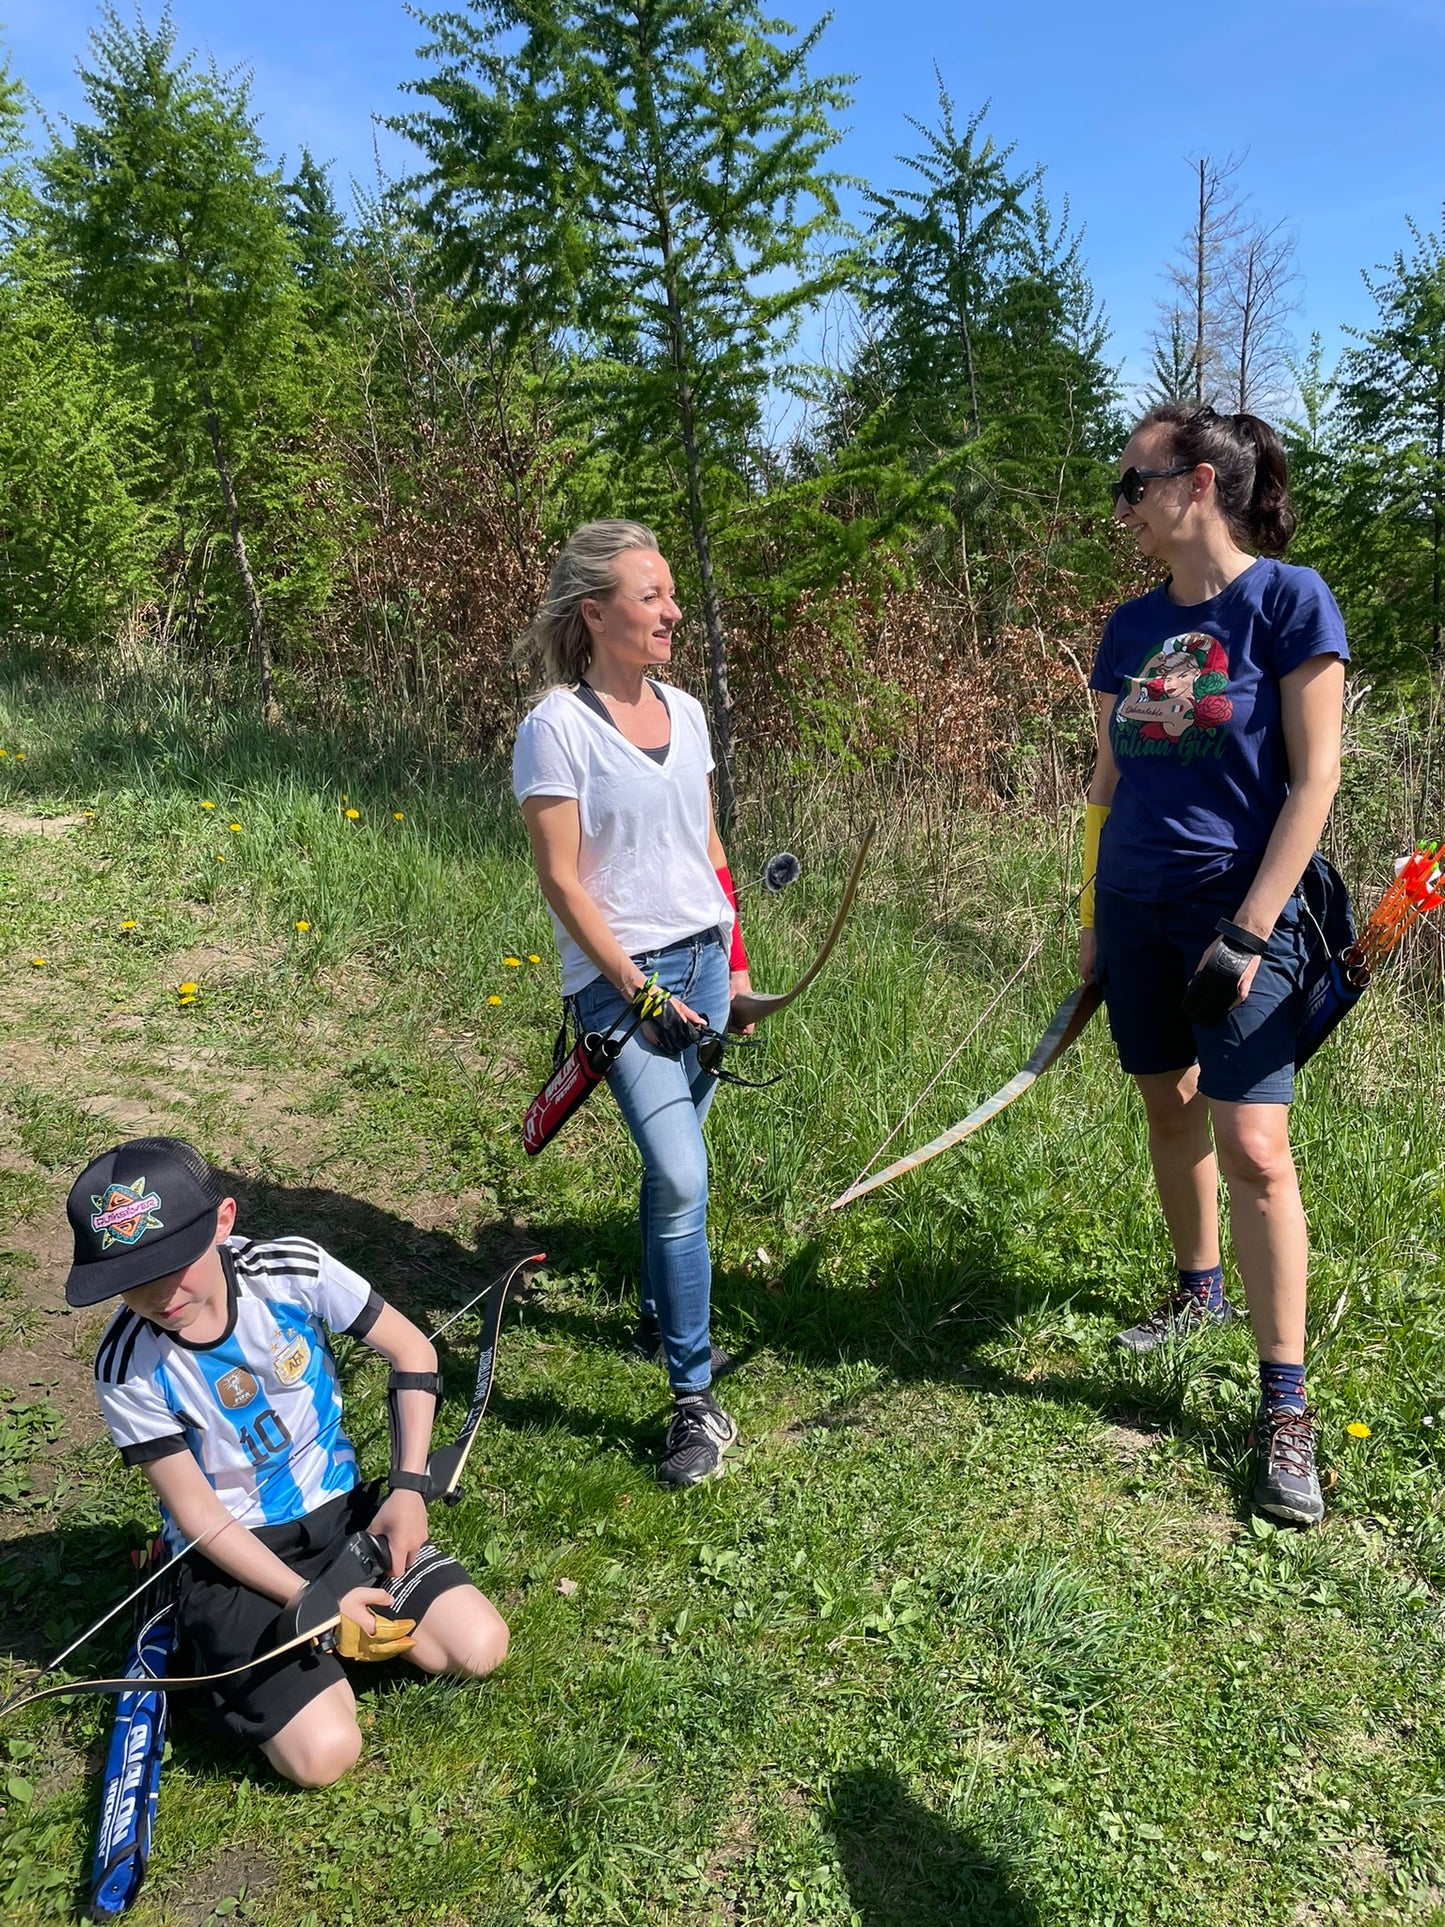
(163, 1682)
(752, 1006)
(448, 1462)
(1067, 1021)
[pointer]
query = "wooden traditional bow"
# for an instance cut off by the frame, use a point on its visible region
(752, 1006)
(1067, 1021)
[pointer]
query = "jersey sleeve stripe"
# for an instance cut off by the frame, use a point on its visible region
(105, 1357)
(290, 1268)
(123, 1368)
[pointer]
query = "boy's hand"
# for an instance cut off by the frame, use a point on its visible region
(361, 1606)
(401, 1522)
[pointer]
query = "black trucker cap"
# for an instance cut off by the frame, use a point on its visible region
(144, 1209)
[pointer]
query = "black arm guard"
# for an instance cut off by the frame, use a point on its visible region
(362, 1561)
(1214, 987)
(396, 1384)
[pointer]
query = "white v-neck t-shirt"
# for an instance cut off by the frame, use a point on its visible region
(644, 853)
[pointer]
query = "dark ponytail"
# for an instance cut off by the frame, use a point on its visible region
(1251, 477)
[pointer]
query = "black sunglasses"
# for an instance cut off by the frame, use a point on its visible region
(1133, 482)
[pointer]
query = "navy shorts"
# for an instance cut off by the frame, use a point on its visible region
(1147, 952)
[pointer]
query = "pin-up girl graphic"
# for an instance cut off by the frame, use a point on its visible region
(1180, 687)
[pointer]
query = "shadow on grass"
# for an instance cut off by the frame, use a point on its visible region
(906, 1867)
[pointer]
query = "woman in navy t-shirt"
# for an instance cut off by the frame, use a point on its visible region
(1219, 698)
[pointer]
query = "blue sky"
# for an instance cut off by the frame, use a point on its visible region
(1338, 103)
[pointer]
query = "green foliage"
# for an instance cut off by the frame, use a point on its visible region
(77, 538)
(184, 260)
(982, 356)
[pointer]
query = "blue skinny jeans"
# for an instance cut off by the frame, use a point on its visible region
(664, 1100)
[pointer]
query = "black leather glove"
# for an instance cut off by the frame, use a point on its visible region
(1213, 990)
(673, 1031)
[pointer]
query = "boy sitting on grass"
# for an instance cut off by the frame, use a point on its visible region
(216, 1376)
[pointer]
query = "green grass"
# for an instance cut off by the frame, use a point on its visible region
(979, 1629)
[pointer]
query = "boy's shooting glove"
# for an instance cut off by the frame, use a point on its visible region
(389, 1641)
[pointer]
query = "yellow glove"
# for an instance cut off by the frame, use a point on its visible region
(389, 1641)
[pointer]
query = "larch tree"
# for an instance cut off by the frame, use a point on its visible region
(642, 180)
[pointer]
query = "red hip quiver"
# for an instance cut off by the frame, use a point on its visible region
(569, 1087)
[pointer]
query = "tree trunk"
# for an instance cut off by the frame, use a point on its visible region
(250, 595)
(1200, 239)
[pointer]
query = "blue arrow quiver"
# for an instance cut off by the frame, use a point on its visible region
(133, 1770)
(1332, 986)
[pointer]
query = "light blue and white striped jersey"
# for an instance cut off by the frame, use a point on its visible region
(260, 1409)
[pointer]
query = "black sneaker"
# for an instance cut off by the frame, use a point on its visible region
(1182, 1314)
(697, 1436)
(1286, 1484)
(646, 1345)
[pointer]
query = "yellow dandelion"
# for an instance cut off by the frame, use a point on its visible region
(208, 804)
(233, 826)
(129, 924)
(185, 1002)
(399, 815)
(512, 963)
(20, 755)
(533, 958)
(187, 990)
(302, 925)
(4, 753)
(38, 963)
(344, 796)
(352, 815)
(1357, 1430)
(490, 1000)
(219, 857)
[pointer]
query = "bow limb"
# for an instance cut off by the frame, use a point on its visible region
(448, 1462)
(164, 1683)
(751, 1006)
(1067, 1021)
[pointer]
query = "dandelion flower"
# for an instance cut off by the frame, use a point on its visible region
(1357, 1430)
(344, 796)
(187, 990)
(4, 753)
(512, 963)
(352, 815)
(20, 755)
(185, 1002)
(219, 857)
(302, 925)
(208, 804)
(129, 924)
(490, 1000)
(39, 964)
(399, 815)
(531, 958)
(233, 826)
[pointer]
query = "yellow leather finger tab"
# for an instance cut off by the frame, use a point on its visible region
(389, 1641)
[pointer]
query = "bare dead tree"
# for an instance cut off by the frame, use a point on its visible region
(1197, 278)
(1258, 295)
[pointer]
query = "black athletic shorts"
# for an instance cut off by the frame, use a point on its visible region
(224, 1622)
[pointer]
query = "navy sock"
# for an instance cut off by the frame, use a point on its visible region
(1282, 1384)
(1207, 1286)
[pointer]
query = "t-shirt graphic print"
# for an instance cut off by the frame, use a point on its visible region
(1179, 688)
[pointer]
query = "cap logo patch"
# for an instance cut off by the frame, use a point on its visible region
(236, 1388)
(124, 1213)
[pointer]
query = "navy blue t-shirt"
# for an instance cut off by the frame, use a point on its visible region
(1197, 732)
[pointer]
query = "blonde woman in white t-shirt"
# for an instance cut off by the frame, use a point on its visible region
(611, 770)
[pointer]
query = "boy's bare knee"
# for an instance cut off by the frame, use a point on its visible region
(315, 1751)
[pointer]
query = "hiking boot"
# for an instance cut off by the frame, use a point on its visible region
(1182, 1314)
(646, 1344)
(697, 1436)
(1286, 1484)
